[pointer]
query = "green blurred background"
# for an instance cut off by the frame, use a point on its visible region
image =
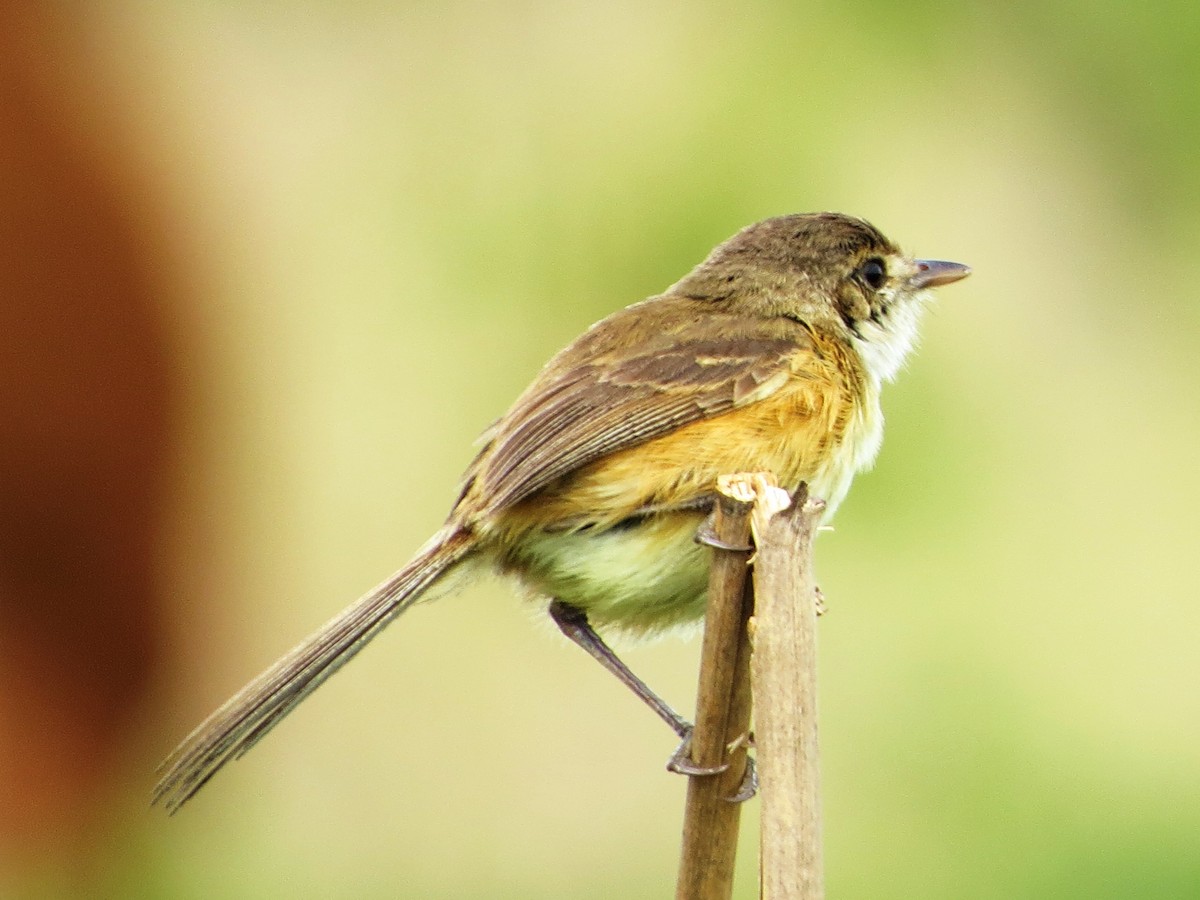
(382, 219)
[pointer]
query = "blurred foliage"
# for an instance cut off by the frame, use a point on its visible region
(396, 212)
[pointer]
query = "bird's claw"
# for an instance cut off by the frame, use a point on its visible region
(707, 536)
(749, 786)
(681, 761)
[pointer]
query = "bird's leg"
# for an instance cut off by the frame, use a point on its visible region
(573, 622)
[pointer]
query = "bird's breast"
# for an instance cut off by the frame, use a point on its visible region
(617, 537)
(813, 430)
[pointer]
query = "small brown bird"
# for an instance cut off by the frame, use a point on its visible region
(767, 357)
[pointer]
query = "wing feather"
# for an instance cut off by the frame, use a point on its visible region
(587, 405)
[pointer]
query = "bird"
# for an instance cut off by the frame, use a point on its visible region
(768, 356)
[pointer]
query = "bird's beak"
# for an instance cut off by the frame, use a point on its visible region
(933, 272)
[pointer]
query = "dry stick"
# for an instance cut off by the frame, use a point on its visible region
(710, 824)
(784, 678)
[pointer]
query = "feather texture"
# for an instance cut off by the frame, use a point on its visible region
(242, 722)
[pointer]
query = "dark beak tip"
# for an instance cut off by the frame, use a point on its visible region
(936, 272)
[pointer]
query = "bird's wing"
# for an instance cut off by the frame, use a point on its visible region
(624, 396)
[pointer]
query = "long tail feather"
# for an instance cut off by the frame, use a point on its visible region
(241, 723)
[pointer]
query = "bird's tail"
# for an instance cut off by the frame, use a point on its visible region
(257, 708)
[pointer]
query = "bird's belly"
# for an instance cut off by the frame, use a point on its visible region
(644, 577)
(587, 540)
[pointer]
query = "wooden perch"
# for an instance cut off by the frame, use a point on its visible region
(782, 598)
(784, 678)
(710, 824)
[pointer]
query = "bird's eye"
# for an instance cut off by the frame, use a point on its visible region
(873, 273)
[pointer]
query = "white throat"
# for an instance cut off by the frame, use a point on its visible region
(884, 347)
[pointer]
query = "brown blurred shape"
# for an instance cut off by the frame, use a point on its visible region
(84, 439)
